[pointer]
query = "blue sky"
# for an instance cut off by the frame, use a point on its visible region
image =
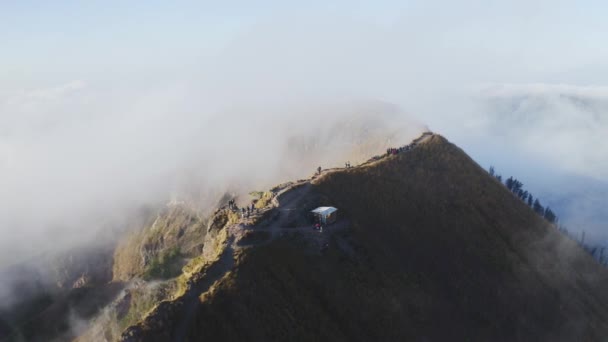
(51, 41)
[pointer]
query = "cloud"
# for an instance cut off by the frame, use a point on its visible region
(566, 125)
(52, 94)
(80, 163)
(546, 89)
(551, 137)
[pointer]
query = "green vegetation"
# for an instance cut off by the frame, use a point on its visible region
(197, 265)
(163, 242)
(142, 300)
(194, 265)
(137, 310)
(164, 266)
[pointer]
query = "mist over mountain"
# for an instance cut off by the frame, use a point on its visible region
(552, 138)
(126, 176)
(66, 163)
(564, 125)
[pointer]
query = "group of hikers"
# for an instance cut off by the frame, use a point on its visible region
(393, 151)
(245, 211)
(232, 204)
(346, 165)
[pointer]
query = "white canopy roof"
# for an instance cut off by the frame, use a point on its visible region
(324, 210)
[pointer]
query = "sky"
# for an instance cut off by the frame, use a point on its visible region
(101, 100)
(51, 42)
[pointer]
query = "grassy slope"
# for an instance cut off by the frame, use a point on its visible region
(443, 252)
(176, 234)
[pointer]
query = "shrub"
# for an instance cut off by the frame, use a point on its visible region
(164, 265)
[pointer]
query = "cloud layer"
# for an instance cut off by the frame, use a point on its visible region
(72, 164)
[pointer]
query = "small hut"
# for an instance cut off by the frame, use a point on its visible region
(325, 215)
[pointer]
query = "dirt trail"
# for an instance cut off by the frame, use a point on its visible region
(421, 139)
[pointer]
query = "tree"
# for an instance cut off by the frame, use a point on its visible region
(538, 208)
(593, 251)
(549, 215)
(509, 183)
(499, 177)
(491, 171)
(530, 200)
(514, 185)
(517, 186)
(524, 196)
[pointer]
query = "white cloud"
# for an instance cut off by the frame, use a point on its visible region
(78, 163)
(566, 125)
(550, 136)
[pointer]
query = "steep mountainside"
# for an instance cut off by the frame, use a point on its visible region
(159, 249)
(428, 247)
(57, 298)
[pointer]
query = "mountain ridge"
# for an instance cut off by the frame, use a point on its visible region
(432, 240)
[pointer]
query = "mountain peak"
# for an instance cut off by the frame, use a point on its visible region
(425, 238)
